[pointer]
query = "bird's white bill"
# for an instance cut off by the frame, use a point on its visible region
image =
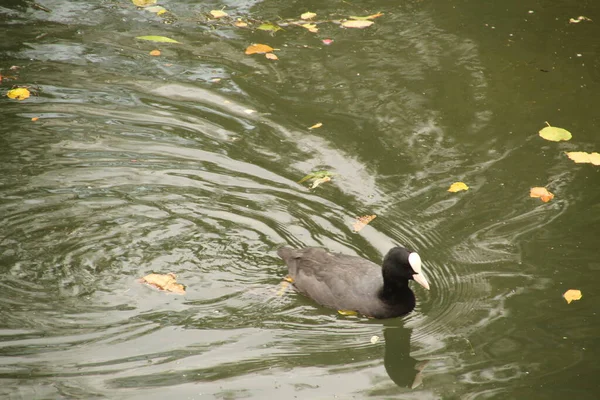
(420, 279)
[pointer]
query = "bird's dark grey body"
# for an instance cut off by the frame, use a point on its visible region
(347, 283)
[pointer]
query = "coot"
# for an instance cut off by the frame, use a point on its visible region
(352, 283)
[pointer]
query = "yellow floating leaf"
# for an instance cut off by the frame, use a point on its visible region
(367, 17)
(271, 56)
(347, 312)
(259, 49)
(363, 221)
(457, 187)
(143, 3)
(18, 93)
(35, 119)
(240, 24)
(318, 181)
(583, 157)
(160, 39)
(218, 13)
(578, 19)
(308, 15)
(317, 125)
(555, 134)
(542, 193)
(155, 53)
(283, 287)
(165, 282)
(311, 27)
(357, 23)
(572, 294)
(374, 339)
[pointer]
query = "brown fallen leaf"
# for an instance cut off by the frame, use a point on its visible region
(165, 282)
(572, 294)
(259, 49)
(363, 221)
(542, 193)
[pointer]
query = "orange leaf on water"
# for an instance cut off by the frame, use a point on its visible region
(457, 187)
(259, 49)
(165, 282)
(363, 221)
(542, 193)
(155, 53)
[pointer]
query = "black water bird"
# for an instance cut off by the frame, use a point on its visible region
(351, 283)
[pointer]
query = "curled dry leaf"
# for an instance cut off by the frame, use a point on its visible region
(18, 93)
(218, 13)
(542, 193)
(155, 53)
(579, 19)
(357, 23)
(271, 56)
(308, 15)
(572, 294)
(317, 125)
(457, 187)
(259, 49)
(318, 181)
(363, 221)
(165, 282)
(583, 157)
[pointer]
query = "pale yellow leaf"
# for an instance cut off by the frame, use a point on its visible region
(165, 282)
(317, 182)
(271, 56)
(308, 15)
(317, 125)
(311, 27)
(218, 13)
(572, 294)
(357, 23)
(583, 157)
(143, 3)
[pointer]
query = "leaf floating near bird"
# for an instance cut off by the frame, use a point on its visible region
(166, 282)
(363, 221)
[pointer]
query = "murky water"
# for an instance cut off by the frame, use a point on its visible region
(189, 162)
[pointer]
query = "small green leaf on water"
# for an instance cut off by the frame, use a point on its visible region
(269, 27)
(555, 134)
(160, 39)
